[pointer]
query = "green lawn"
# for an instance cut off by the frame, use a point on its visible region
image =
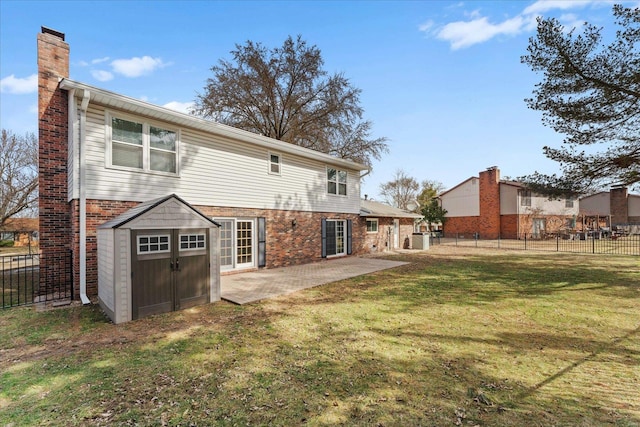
(461, 336)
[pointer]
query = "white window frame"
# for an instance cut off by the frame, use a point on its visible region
(525, 198)
(146, 145)
(196, 241)
(234, 240)
(343, 224)
(271, 163)
(372, 221)
(151, 236)
(337, 182)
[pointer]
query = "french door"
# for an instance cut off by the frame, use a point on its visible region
(237, 243)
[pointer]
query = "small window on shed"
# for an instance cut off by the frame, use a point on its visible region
(192, 242)
(153, 244)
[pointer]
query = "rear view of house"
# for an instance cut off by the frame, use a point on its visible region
(103, 154)
(491, 208)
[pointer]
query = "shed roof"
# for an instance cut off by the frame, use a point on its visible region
(369, 208)
(144, 207)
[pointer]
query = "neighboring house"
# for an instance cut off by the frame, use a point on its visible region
(387, 227)
(495, 208)
(615, 208)
(102, 154)
(23, 231)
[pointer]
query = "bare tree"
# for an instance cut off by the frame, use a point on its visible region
(284, 93)
(19, 174)
(401, 191)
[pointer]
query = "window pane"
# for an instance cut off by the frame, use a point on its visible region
(275, 158)
(342, 176)
(163, 139)
(331, 187)
(126, 155)
(126, 131)
(162, 161)
(331, 174)
(342, 189)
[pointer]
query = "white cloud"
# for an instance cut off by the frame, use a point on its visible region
(478, 29)
(13, 84)
(183, 107)
(136, 67)
(464, 34)
(101, 75)
(426, 26)
(100, 60)
(542, 6)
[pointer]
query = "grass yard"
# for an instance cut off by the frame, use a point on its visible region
(461, 336)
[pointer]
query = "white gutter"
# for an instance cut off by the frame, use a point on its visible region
(83, 198)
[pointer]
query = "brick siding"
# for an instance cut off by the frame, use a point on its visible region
(54, 210)
(489, 221)
(619, 206)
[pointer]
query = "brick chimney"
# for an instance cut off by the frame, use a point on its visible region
(618, 205)
(55, 218)
(489, 187)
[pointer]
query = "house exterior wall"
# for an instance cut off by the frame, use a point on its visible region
(382, 240)
(500, 213)
(214, 171)
(509, 200)
(461, 226)
(510, 226)
(634, 208)
(596, 204)
(463, 200)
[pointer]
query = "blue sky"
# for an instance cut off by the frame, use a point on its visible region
(442, 80)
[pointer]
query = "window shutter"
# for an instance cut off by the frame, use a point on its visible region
(324, 238)
(262, 241)
(349, 244)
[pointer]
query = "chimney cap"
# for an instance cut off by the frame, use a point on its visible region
(58, 34)
(492, 168)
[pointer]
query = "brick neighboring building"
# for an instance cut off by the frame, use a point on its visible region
(491, 208)
(614, 208)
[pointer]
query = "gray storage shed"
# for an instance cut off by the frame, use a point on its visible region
(162, 255)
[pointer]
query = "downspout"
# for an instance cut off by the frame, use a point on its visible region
(365, 174)
(83, 198)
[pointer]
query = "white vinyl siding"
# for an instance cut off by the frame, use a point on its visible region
(463, 200)
(216, 171)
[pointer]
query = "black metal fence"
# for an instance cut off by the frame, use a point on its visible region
(27, 279)
(593, 243)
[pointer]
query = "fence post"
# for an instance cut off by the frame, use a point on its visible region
(557, 243)
(475, 236)
(525, 241)
(593, 243)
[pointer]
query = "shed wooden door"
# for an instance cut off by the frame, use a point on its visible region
(170, 270)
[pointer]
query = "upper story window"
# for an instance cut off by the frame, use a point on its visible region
(525, 199)
(568, 202)
(274, 164)
(336, 182)
(142, 146)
